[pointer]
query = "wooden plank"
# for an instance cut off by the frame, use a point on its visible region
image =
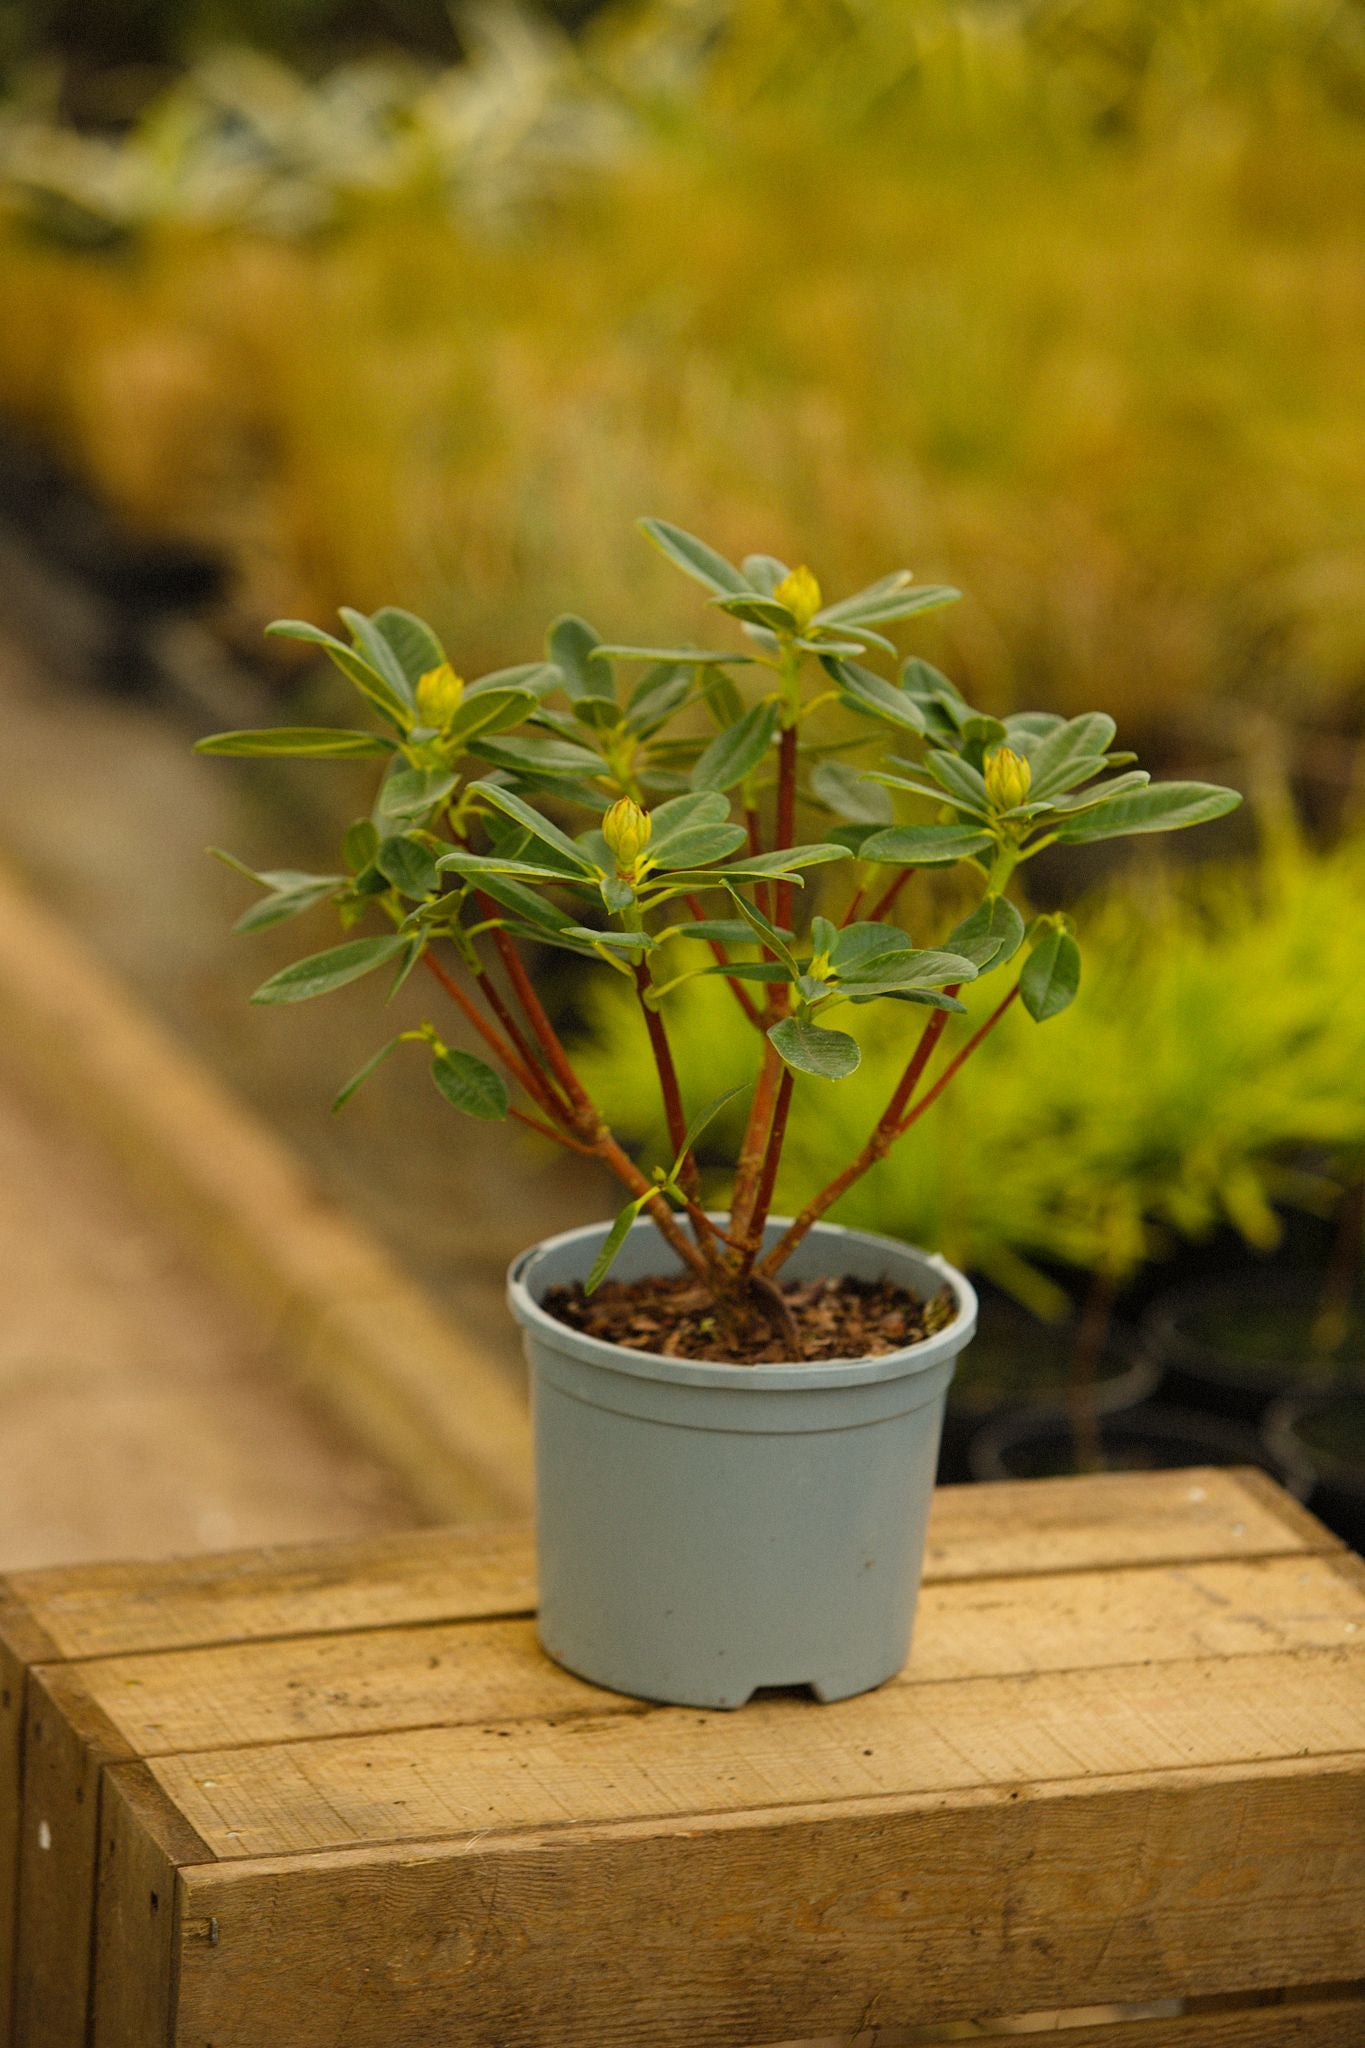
(1014, 1528)
(140, 1906)
(1309, 2023)
(298, 1689)
(777, 1926)
(451, 1674)
(286, 1798)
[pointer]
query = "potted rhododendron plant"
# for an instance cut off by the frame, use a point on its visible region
(736, 1415)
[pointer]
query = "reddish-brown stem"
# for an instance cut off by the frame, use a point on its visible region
(547, 1094)
(630, 1176)
(888, 897)
(674, 1114)
(855, 904)
(722, 959)
(964, 1053)
(767, 1181)
(546, 1035)
(491, 1038)
(786, 818)
(750, 1163)
(535, 1123)
(892, 1124)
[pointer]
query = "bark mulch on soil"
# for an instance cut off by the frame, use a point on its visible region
(833, 1319)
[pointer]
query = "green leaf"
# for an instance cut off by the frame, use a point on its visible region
(479, 866)
(358, 1080)
(489, 711)
(750, 970)
(1100, 792)
(612, 1243)
(692, 657)
(1164, 807)
(764, 572)
(537, 678)
(758, 611)
(373, 686)
(551, 758)
(615, 942)
(902, 968)
(871, 694)
(700, 1122)
(788, 860)
(769, 934)
(659, 693)
(360, 844)
(322, 972)
(312, 742)
(727, 931)
(408, 796)
(698, 847)
(470, 1084)
(415, 647)
(810, 1049)
(865, 941)
(849, 794)
(694, 557)
(925, 846)
(992, 934)
(961, 781)
(737, 751)
(409, 865)
(539, 827)
(880, 604)
(572, 643)
(290, 902)
(1069, 754)
(536, 910)
(372, 646)
(1051, 976)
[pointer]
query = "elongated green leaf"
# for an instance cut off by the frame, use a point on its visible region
(1100, 792)
(572, 643)
(771, 935)
(537, 677)
(311, 742)
(1051, 976)
(756, 610)
(788, 860)
(849, 794)
(727, 931)
(539, 827)
(1069, 754)
(749, 970)
(694, 557)
(291, 902)
(698, 847)
(358, 1079)
(612, 1243)
(907, 968)
(488, 712)
(957, 777)
(925, 846)
(879, 607)
(479, 866)
(615, 942)
(415, 647)
(992, 934)
(810, 1049)
(701, 1122)
(322, 972)
(470, 1084)
(373, 686)
(546, 758)
(1164, 807)
(687, 657)
(737, 751)
(865, 941)
(865, 691)
(373, 647)
(535, 910)
(659, 693)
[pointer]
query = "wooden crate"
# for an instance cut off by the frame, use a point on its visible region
(336, 1798)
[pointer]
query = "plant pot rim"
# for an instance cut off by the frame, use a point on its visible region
(792, 1376)
(1175, 1347)
(1304, 1459)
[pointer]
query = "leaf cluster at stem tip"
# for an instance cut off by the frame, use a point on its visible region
(749, 810)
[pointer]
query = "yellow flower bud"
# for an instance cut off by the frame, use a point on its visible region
(626, 829)
(438, 696)
(1008, 777)
(800, 593)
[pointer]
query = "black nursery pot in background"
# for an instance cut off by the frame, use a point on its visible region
(1233, 1346)
(1017, 1361)
(1041, 1444)
(1319, 1439)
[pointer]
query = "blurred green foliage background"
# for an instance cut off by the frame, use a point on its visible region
(1061, 299)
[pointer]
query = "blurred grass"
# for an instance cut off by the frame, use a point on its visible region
(1063, 303)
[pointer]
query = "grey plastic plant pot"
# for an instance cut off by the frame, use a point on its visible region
(704, 1530)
